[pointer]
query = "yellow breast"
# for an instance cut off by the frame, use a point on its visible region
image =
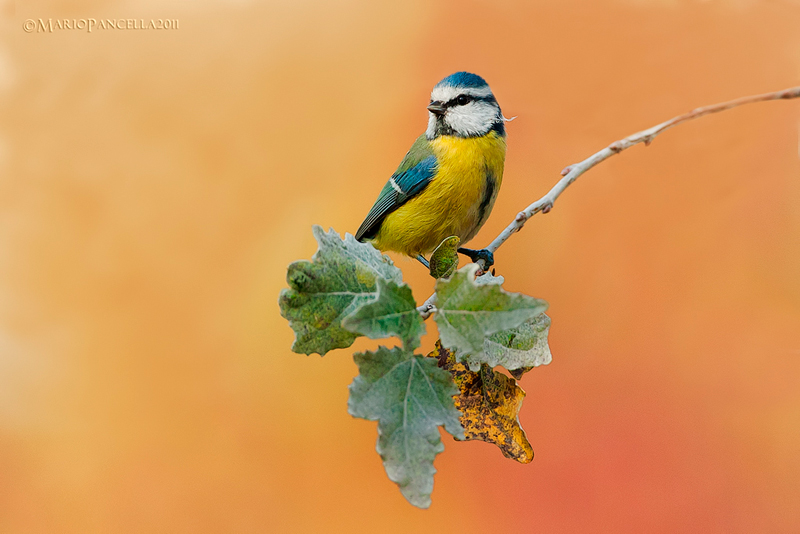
(456, 202)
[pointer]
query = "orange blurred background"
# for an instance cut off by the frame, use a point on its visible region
(155, 184)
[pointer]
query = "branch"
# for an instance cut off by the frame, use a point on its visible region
(428, 307)
(571, 173)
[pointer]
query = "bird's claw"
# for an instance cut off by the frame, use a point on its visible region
(483, 254)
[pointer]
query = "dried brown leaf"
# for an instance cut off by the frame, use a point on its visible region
(489, 403)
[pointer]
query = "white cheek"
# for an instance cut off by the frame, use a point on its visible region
(472, 119)
(430, 133)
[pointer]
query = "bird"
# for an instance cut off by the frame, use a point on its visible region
(447, 183)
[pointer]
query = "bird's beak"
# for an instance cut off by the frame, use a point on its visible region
(437, 108)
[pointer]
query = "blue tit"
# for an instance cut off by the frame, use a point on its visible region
(448, 181)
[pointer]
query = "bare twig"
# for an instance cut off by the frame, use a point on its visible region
(571, 173)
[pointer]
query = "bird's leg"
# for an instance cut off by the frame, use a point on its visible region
(423, 261)
(482, 254)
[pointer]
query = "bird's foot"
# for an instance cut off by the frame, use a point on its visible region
(482, 254)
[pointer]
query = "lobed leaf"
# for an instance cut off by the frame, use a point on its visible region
(392, 313)
(341, 276)
(518, 349)
(410, 397)
(467, 311)
(489, 402)
(489, 278)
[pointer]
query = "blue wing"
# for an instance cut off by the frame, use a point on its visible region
(412, 176)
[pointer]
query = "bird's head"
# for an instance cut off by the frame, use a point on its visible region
(462, 105)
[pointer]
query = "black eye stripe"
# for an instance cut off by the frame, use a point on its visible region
(454, 101)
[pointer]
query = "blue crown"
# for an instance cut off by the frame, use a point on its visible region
(463, 79)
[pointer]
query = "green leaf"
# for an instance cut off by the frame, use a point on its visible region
(468, 312)
(392, 313)
(489, 278)
(444, 260)
(410, 397)
(341, 276)
(517, 349)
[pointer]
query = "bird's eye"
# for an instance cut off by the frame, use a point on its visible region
(463, 100)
